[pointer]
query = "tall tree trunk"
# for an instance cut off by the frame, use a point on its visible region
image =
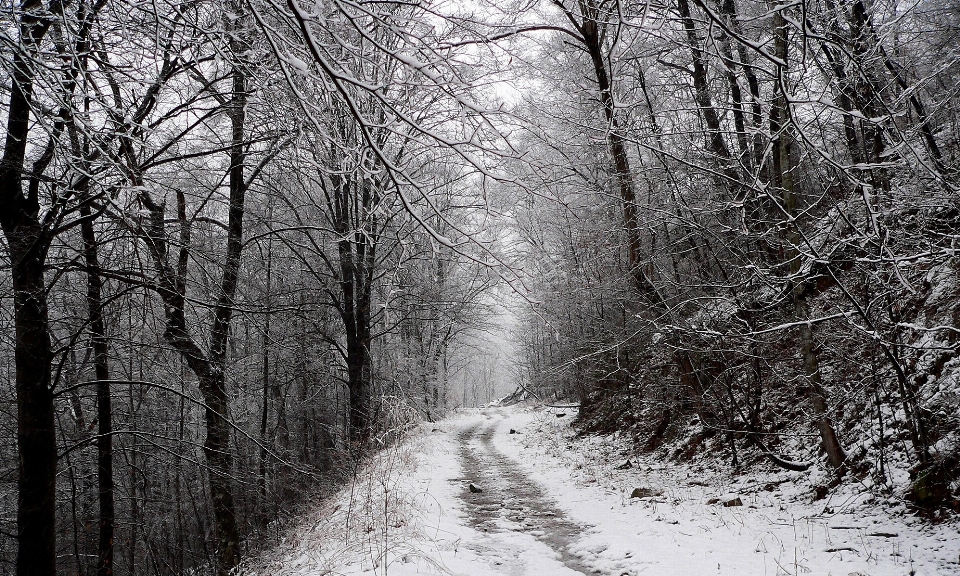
(866, 34)
(36, 436)
(98, 340)
(355, 251)
(728, 10)
(27, 243)
(350, 313)
(104, 409)
(216, 446)
(867, 93)
(781, 130)
(358, 348)
(593, 43)
(265, 376)
(210, 370)
(715, 140)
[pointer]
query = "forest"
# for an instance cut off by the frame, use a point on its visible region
(246, 243)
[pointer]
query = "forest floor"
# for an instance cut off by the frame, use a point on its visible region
(546, 502)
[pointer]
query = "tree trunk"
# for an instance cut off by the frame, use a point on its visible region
(355, 251)
(350, 313)
(715, 141)
(867, 38)
(27, 243)
(590, 31)
(171, 286)
(728, 10)
(216, 449)
(265, 379)
(816, 391)
(216, 446)
(781, 130)
(36, 436)
(104, 408)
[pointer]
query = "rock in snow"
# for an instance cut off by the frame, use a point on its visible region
(731, 500)
(645, 493)
(727, 500)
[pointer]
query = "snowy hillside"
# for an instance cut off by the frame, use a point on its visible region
(512, 491)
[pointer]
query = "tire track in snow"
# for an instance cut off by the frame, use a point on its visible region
(510, 501)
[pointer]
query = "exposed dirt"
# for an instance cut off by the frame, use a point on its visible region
(510, 501)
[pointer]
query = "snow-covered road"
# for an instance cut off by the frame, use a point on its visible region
(500, 500)
(547, 509)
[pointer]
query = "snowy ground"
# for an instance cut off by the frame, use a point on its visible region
(554, 505)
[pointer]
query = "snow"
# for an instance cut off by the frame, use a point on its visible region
(776, 532)
(298, 64)
(408, 515)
